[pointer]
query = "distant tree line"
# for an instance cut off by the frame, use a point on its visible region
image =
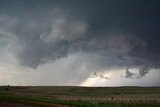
(4, 87)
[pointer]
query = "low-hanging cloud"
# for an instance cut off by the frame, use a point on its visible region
(101, 75)
(49, 34)
(129, 74)
(142, 71)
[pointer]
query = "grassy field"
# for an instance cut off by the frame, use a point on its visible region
(54, 96)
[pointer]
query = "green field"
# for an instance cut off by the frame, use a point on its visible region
(61, 96)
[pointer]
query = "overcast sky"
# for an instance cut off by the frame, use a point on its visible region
(80, 42)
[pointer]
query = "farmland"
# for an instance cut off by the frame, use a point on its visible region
(67, 96)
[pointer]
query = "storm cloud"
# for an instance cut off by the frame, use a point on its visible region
(123, 34)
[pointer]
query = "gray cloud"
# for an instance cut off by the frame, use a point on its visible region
(142, 71)
(40, 32)
(129, 74)
(64, 28)
(100, 75)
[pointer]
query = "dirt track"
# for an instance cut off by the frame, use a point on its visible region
(8, 104)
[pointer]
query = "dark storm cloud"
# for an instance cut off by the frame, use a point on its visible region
(129, 74)
(142, 71)
(101, 76)
(122, 33)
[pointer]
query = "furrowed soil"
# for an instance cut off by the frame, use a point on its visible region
(67, 96)
(31, 104)
(8, 104)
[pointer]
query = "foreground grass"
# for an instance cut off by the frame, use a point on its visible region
(38, 101)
